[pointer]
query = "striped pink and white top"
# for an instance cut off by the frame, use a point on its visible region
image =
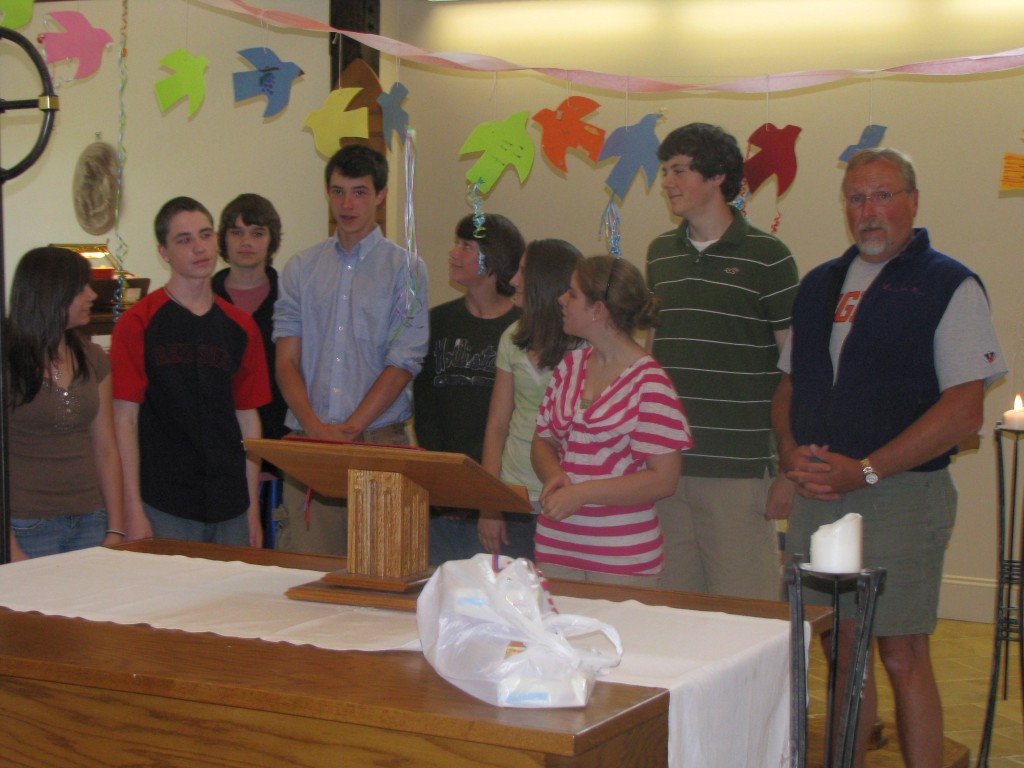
(637, 416)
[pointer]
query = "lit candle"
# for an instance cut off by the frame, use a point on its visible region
(1014, 419)
(836, 547)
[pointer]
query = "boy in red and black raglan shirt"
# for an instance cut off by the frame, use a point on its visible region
(189, 373)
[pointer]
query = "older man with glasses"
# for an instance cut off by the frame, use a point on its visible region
(891, 350)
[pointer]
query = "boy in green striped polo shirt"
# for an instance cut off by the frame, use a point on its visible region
(726, 290)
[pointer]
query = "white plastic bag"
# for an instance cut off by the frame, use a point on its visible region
(489, 627)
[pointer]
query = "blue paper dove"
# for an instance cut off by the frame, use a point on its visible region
(636, 146)
(396, 119)
(271, 78)
(870, 138)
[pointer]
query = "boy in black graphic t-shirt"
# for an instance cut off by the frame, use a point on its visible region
(452, 393)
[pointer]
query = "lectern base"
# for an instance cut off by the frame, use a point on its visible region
(407, 583)
(319, 592)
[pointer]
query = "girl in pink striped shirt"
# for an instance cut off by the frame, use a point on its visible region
(609, 434)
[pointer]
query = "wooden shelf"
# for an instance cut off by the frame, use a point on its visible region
(101, 319)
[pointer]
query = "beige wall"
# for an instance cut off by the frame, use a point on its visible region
(957, 129)
(223, 150)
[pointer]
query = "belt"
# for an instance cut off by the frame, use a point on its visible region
(394, 434)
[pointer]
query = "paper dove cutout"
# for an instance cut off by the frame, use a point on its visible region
(271, 78)
(636, 146)
(564, 128)
(15, 13)
(777, 156)
(396, 119)
(503, 143)
(79, 40)
(186, 82)
(870, 138)
(334, 122)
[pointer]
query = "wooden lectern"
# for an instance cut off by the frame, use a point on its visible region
(389, 492)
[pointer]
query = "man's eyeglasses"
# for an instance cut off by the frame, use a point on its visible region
(879, 198)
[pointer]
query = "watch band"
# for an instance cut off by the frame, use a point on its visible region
(870, 476)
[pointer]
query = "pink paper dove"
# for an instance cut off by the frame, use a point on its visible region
(79, 40)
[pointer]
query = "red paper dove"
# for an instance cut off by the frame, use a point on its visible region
(564, 128)
(777, 156)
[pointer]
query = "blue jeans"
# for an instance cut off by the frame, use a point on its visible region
(234, 532)
(41, 536)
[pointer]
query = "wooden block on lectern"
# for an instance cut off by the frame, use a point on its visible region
(387, 524)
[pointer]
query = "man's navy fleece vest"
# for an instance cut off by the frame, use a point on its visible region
(887, 374)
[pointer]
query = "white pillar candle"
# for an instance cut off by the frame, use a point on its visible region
(1014, 419)
(836, 547)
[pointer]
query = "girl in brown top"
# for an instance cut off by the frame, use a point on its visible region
(66, 482)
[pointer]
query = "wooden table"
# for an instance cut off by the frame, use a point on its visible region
(81, 693)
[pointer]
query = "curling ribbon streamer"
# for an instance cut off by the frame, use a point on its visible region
(410, 297)
(473, 196)
(410, 180)
(740, 201)
(610, 228)
(120, 246)
(789, 81)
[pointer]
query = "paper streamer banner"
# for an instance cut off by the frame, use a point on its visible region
(788, 81)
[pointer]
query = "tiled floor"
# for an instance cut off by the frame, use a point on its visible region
(962, 654)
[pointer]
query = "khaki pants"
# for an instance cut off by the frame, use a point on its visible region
(717, 540)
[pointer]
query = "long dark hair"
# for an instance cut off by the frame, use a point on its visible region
(549, 267)
(45, 283)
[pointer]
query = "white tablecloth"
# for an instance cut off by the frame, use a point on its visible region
(728, 675)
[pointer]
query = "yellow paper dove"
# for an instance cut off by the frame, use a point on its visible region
(334, 122)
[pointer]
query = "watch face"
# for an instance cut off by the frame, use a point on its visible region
(870, 476)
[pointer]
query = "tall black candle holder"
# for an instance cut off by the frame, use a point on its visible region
(867, 583)
(1008, 613)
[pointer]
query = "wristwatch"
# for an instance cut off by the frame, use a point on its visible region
(870, 476)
